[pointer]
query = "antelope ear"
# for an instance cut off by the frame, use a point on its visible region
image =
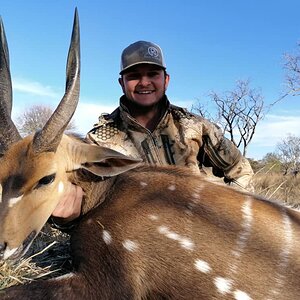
(105, 162)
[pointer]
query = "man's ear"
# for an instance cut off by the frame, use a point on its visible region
(102, 161)
(121, 82)
(167, 80)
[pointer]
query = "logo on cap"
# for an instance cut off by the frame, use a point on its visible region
(153, 51)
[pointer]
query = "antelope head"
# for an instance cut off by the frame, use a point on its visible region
(34, 170)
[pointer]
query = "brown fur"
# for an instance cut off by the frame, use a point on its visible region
(160, 267)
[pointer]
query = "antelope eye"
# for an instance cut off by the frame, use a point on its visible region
(45, 180)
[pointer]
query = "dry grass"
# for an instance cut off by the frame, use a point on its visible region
(48, 257)
(272, 185)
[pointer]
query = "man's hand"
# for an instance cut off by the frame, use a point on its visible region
(69, 206)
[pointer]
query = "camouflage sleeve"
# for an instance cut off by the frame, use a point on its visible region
(225, 158)
(241, 174)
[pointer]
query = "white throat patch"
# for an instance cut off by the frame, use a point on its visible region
(14, 201)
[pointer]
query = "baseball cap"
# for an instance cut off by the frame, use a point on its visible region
(141, 52)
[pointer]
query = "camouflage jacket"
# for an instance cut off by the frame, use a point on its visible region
(181, 138)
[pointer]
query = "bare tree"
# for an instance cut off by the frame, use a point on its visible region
(238, 113)
(292, 67)
(289, 153)
(34, 118)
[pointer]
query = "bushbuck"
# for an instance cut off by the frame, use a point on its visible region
(146, 232)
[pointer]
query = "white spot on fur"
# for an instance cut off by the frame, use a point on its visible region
(284, 257)
(184, 242)
(247, 213)
(130, 245)
(143, 184)
(173, 236)
(14, 201)
(187, 244)
(172, 187)
(202, 266)
(223, 285)
(243, 237)
(61, 187)
(196, 194)
(106, 237)
(153, 217)
(239, 295)
(163, 229)
(287, 225)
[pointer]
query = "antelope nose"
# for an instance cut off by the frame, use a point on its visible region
(2, 249)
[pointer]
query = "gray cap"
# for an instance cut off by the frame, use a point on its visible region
(141, 52)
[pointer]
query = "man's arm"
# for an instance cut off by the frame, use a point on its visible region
(241, 175)
(226, 159)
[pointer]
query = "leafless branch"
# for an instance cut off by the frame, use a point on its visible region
(34, 118)
(238, 112)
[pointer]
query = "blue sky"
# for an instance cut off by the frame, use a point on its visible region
(208, 45)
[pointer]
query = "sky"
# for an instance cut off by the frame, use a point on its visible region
(208, 46)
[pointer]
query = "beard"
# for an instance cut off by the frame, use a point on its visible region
(140, 108)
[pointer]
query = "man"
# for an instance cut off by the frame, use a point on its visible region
(147, 126)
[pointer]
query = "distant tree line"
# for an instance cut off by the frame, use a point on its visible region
(285, 159)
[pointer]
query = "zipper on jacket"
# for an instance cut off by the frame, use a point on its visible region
(146, 147)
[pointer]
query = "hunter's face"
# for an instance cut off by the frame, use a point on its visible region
(144, 84)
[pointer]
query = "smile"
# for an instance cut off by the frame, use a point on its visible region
(144, 92)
